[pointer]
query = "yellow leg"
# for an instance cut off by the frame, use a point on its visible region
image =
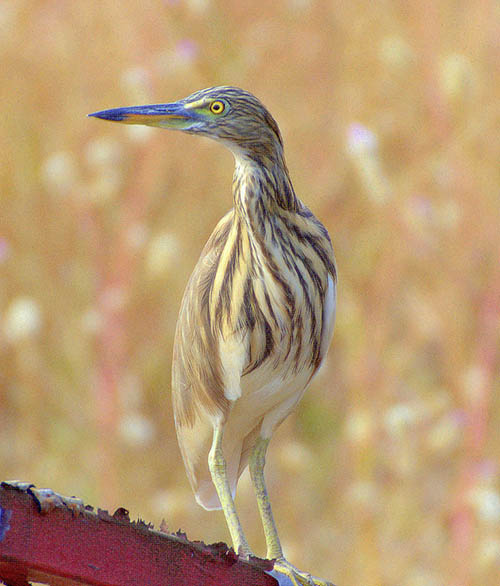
(274, 549)
(217, 466)
(256, 465)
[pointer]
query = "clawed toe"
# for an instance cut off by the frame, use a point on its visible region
(296, 577)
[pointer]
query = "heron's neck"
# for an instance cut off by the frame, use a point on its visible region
(262, 187)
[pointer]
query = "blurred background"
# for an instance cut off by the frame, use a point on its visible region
(388, 473)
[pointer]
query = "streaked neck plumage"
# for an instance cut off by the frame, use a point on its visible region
(262, 188)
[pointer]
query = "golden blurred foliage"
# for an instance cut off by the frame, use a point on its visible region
(389, 472)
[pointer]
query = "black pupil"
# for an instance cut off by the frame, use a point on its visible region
(217, 107)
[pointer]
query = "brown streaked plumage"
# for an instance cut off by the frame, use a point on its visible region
(257, 316)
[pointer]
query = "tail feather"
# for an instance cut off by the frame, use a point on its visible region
(195, 443)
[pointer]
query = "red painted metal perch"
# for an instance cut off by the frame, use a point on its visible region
(59, 541)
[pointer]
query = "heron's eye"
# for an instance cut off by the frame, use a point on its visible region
(217, 107)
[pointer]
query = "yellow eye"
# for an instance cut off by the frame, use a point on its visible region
(217, 107)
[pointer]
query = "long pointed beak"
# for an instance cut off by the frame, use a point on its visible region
(173, 115)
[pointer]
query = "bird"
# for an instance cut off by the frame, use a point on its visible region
(257, 315)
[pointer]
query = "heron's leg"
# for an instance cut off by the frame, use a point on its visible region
(256, 464)
(217, 466)
(274, 549)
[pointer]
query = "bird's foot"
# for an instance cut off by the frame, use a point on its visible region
(295, 576)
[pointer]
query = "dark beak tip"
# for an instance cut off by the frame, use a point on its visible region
(112, 115)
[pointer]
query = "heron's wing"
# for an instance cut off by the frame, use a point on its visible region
(197, 372)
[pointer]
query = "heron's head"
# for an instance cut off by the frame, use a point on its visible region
(227, 114)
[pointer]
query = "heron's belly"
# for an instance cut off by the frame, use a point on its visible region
(268, 395)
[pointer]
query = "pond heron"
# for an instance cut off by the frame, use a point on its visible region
(257, 315)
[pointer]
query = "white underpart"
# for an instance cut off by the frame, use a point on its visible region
(329, 309)
(233, 353)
